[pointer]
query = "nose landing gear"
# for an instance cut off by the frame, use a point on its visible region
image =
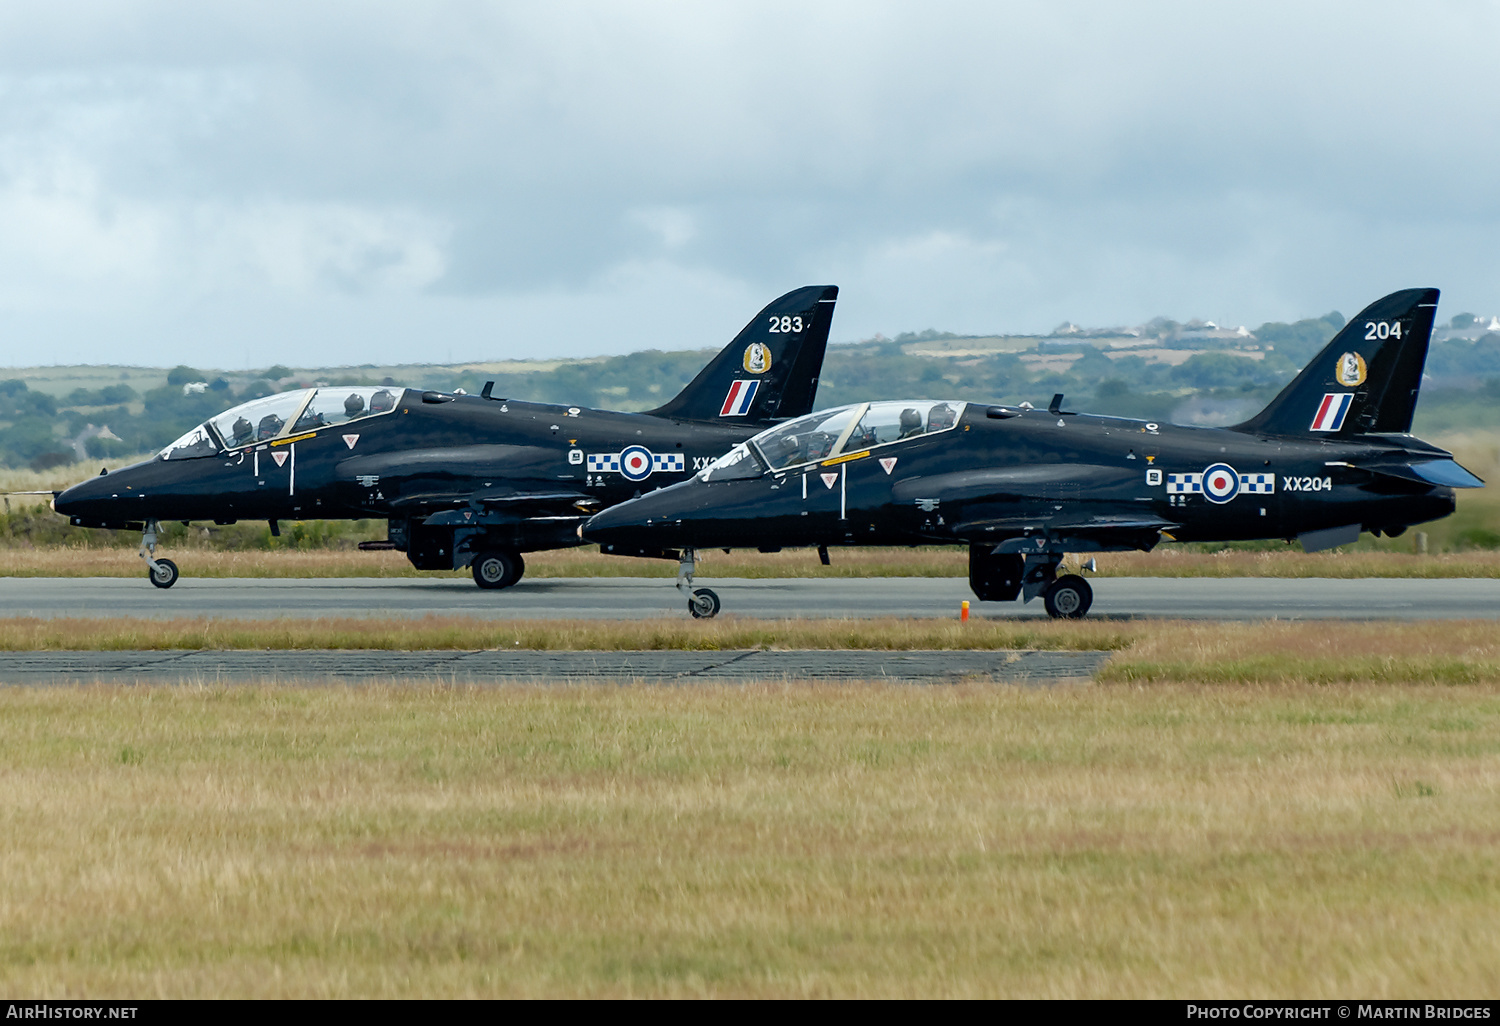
(702, 602)
(161, 572)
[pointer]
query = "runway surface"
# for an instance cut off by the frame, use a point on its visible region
(1037, 668)
(643, 598)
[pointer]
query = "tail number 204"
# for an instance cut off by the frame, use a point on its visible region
(1307, 484)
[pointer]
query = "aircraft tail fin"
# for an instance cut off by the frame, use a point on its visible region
(1365, 380)
(770, 371)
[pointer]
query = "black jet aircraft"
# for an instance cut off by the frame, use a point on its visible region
(1331, 456)
(463, 480)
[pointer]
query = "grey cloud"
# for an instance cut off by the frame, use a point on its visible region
(493, 170)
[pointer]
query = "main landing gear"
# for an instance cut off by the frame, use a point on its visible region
(1068, 597)
(497, 568)
(1003, 577)
(161, 572)
(1065, 598)
(702, 603)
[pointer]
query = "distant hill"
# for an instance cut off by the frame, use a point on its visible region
(1194, 372)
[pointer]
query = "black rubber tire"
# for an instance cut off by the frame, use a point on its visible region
(165, 575)
(497, 568)
(1068, 597)
(704, 604)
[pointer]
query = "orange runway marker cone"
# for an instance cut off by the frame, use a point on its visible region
(963, 612)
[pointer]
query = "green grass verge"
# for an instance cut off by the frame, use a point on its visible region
(854, 841)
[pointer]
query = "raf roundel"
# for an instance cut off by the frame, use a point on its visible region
(1220, 483)
(635, 462)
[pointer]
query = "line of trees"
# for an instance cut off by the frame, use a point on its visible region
(39, 430)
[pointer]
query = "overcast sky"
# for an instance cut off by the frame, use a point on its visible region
(234, 185)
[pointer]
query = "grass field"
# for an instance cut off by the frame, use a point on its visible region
(874, 841)
(1154, 651)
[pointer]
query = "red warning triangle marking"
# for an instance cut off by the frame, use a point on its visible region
(829, 479)
(349, 440)
(888, 464)
(279, 456)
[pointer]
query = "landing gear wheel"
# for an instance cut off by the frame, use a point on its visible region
(497, 569)
(165, 574)
(704, 605)
(1068, 597)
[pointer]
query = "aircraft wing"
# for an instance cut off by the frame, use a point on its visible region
(1072, 530)
(519, 500)
(1080, 506)
(506, 507)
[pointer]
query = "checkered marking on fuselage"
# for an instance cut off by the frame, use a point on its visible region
(633, 462)
(1192, 484)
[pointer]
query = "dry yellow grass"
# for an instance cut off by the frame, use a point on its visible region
(20, 479)
(869, 841)
(1317, 652)
(1171, 561)
(1321, 652)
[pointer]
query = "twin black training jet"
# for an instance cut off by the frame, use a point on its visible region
(1331, 456)
(463, 480)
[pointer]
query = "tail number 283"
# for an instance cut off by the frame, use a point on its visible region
(792, 325)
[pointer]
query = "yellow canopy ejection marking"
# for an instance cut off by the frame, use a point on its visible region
(295, 438)
(846, 458)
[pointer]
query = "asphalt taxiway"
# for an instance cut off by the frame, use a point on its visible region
(626, 598)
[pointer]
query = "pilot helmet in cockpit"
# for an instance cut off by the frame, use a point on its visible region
(382, 401)
(270, 427)
(354, 406)
(941, 418)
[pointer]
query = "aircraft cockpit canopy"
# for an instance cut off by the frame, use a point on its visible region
(281, 415)
(737, 464)
(845, 429)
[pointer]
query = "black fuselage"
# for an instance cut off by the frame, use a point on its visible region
(462, 479)
(526, 474)
(1033, 473)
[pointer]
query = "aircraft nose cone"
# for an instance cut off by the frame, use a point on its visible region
(637, 522)
(83, 498)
